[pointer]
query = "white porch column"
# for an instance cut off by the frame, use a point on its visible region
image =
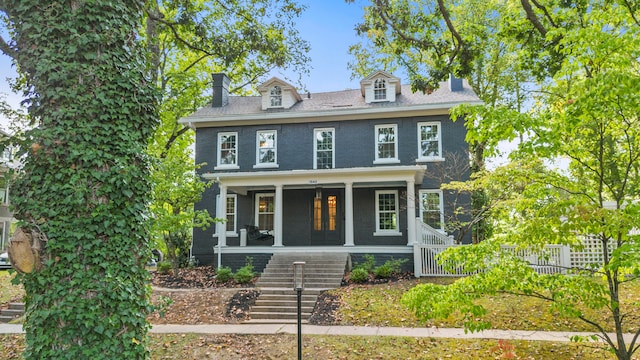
(277, 218)
(221, 213)
(348, 214)
(411, 213)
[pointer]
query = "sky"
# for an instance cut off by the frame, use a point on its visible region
(327, 25)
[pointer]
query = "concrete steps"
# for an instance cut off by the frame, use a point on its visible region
(278, 302)
(14, 311)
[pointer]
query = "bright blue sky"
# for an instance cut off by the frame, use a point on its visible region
(328, 26)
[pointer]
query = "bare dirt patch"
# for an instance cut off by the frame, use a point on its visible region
(196, 297)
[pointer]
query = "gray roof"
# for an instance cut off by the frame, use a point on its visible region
(338, 102)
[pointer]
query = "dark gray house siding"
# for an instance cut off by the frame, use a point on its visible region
(354, 148)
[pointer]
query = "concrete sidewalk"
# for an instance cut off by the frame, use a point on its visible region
(271, 329)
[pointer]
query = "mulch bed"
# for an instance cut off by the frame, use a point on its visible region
(238, 305)
(201, 277)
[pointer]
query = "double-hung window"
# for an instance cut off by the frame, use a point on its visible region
(227, 150)
(379, 90)
(266, 145)
(386, 144)
(231, 213)
(276, 96)
(431, 208)
(387, 213)
(323, 152)
(429, 141)
(265, 210)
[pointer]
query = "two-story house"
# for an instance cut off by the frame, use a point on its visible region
(341, 171)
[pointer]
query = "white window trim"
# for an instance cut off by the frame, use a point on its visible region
(277, 96)
(219, 146)
(315, 147)
(392, 232)
(274, 164)
(257, 208)
(430, 158)
(393, 160)
(384, 89)
(234, 232)
(441, 196)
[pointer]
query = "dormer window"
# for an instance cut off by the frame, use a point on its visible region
(380, 89)
(276, 96)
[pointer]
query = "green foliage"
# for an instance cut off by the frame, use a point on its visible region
(245, 274)
(368, 264)
(224, 274)
(582, 60)
(389, 268)
(85, 182)
(164, 267)
(359, 275)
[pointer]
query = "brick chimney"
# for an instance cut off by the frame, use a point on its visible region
(220, 89)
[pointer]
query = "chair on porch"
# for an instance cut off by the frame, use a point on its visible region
(253, 233)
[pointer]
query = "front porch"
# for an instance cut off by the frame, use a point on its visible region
(319, 207)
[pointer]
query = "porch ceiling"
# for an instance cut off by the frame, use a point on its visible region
(361, 176)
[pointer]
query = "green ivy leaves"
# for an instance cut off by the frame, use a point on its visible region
(85, 180)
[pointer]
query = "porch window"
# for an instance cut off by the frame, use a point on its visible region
(227, 150)
(276, 96)
(266, 154)
(387, 214)
(386, 144)
(265, 211)
(323, 154)
(380, 90)
(429, 141)
(431, 208)
(231, 213)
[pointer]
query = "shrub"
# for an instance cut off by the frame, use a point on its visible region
(245, 274)
(224, 274)
(164, 267)
(359, 275)
(389, 268)
(368, 263)
(383, 271)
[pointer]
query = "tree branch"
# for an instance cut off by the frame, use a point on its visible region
(447, 19)
(8, 50)
(175, 33)
(385, 18)
(533, 19)
(174, 136)
(546, 13)
(631, 12)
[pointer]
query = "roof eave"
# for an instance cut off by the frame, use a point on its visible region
(196, 121)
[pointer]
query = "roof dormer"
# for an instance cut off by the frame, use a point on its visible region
(278, 94)
(380, 86)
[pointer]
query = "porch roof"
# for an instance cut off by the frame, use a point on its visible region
(360, 176)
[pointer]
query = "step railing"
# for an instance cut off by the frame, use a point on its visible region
(428, 235)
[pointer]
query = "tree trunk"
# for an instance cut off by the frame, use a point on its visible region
(85, 183)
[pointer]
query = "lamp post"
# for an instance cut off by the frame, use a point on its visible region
(298, 286)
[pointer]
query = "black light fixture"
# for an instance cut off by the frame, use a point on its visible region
(298, 286)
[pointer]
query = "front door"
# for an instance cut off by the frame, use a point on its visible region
(327, 217)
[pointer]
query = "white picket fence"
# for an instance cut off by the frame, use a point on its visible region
(552, 259)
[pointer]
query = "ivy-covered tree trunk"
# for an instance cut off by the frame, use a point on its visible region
(84, 190)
